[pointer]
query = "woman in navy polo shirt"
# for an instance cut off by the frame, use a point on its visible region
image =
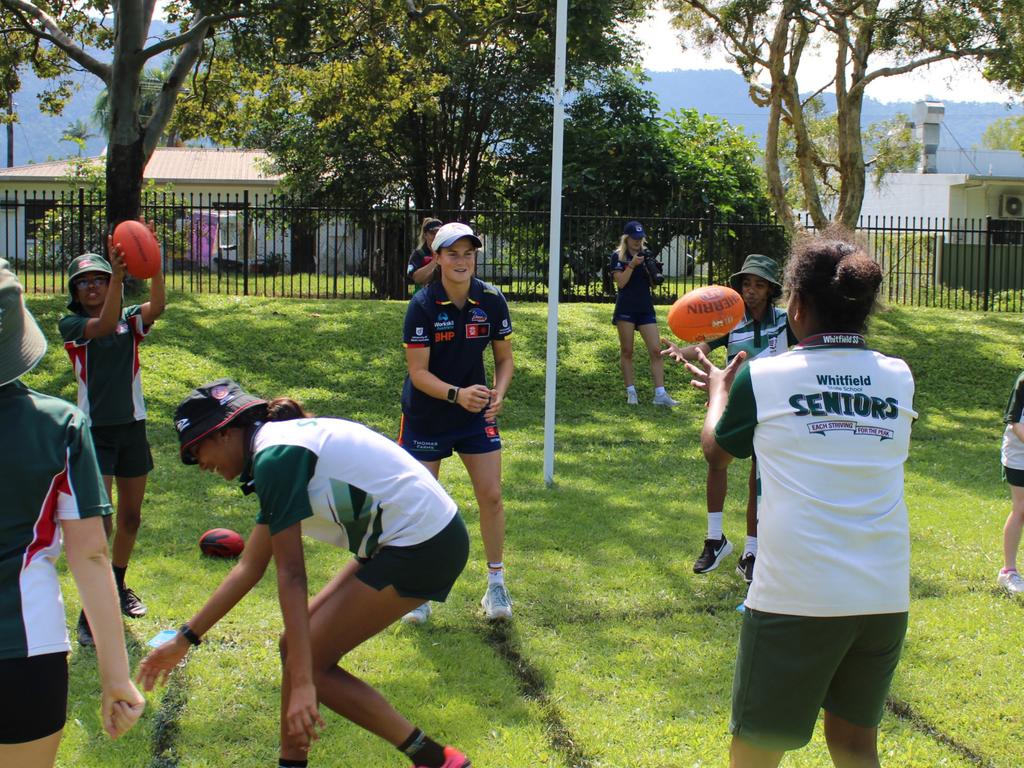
(634, 311)
(447, 404)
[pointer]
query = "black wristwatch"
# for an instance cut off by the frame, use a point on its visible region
(189, 635)
(453, 394)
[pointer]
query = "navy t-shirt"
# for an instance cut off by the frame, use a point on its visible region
(634, 297)
(457, 339)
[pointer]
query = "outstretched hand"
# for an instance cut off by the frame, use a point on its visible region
(161, 661)
(710, 378)
(672, 350)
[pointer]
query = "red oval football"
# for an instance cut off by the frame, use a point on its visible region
(221, 542)
(140, 248)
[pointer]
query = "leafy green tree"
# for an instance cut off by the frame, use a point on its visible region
(1005, 133)
(768, 40)
(405, 102)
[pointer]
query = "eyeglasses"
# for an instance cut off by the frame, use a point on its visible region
(88, 282)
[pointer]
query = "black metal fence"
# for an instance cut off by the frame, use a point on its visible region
(275, 246)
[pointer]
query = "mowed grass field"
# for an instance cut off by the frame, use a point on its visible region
(619, 655)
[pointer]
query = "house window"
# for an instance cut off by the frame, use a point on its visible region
(1007, 231)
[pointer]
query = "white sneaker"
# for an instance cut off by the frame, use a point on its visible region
(631, 398)
(666, 400)
(418, 615)
(496, 603)
(1011, 581)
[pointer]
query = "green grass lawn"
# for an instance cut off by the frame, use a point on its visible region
(619, 656)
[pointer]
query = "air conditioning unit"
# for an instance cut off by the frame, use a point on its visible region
(1011, 206)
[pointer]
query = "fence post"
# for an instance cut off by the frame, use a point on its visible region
(245, 242)
(81, 221)
(988, 262)
(709, 248)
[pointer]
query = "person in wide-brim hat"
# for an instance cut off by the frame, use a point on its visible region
(22, 344)
(765, 330)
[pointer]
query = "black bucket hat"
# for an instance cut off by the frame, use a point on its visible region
(208, 408)
(758, 265)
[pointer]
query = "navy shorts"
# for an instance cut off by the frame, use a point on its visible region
(1013, 476)
(636, 318)
(122, 450)
(476, 436)
(426, 571)
(40, 707)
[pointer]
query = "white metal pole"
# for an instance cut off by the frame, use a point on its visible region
(555, 248)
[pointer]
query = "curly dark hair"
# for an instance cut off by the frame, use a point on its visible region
(278, 409)
(835, 279)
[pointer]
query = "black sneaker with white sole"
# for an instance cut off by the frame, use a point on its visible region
(745, 567)
(714, 551)
(131, 605)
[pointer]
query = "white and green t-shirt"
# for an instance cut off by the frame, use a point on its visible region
(348, 485)
(769, 335)
(107, 368)
(830, 423)
(1013, 449)
(50, 474)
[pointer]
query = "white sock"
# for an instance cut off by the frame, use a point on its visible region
(659, 391)
(714, 525)
(631, 390)
(750, 548)
(495, 573)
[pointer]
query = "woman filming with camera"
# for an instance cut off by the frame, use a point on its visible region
(636, 272)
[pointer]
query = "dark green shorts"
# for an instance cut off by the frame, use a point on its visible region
(123, 450)
(1013, 476)
(790, 667)
(426, 571)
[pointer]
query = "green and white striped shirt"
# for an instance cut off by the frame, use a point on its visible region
(346, 484)
(768, 336)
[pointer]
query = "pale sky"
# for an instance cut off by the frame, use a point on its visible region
(946, 80)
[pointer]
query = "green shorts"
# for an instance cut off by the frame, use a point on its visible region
(122, 450)
(426, 571)
(790, 667)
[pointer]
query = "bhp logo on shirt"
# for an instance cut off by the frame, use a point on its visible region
(444, 336)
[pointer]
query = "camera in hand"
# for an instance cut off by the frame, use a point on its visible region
(654, 269)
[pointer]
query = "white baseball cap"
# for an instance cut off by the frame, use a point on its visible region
(453, 231)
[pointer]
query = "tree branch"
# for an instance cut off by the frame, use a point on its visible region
(200, 26)
(910, 66)
(50, 31)
(515, 14)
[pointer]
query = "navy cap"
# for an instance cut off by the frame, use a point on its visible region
(635, 230)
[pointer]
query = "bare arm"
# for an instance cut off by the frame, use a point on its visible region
(716, 382)
(302, 716)
(110, 315)
(240, 580)
(684, 354)
(503, 370)
(621, 278)
(422, 275)
(153, 308)
(1018, 430)
(417, 360)
(85, 545)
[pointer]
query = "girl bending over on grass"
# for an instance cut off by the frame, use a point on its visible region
(102, 339)
(830, 423)
(342, 483)
(53, 491)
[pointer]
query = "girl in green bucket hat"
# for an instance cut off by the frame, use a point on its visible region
(764, 329)
(102, 339)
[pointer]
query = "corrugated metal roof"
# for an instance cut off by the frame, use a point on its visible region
(175, 165)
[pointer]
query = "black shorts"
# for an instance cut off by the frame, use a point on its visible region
(426, 571)
(41, 705)
(1013, 476)
(123, 450)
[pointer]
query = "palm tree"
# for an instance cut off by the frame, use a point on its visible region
(78, 132)
(153, 79)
